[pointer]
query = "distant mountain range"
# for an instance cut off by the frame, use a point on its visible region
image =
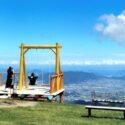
(71, 76)
(77, 77)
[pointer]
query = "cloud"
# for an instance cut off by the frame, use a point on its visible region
(119, 55)
(112, 26)
(16, 62)
(71, 62)
(4, 62)
(94, 62)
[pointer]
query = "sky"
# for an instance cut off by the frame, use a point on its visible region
(90, 31)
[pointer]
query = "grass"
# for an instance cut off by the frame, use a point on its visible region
(45, 113)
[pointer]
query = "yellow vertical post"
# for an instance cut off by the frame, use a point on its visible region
(21, 77)
(24, 74)
(57, 65)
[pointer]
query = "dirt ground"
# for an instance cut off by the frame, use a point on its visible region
(16, 103)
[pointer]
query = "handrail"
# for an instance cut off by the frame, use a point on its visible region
(53, 83)
(57, 75)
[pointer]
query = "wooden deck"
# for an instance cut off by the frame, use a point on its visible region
(51, 90)
(32, 90)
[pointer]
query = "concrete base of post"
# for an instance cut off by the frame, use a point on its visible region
(61, 97)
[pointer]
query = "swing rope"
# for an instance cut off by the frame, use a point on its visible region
(49, 72)
(42, 68)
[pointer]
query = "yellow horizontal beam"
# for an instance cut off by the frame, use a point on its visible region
(40, 47)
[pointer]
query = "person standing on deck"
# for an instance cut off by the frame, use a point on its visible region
(9, 81)
(32, 79)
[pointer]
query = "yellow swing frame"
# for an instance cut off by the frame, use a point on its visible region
(22, 71)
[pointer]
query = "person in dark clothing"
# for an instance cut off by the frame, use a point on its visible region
(9, 77)
(32, 79)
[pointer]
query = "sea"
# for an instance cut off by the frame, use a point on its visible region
(84, 82)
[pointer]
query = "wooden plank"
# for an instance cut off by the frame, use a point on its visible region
(105, 108)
